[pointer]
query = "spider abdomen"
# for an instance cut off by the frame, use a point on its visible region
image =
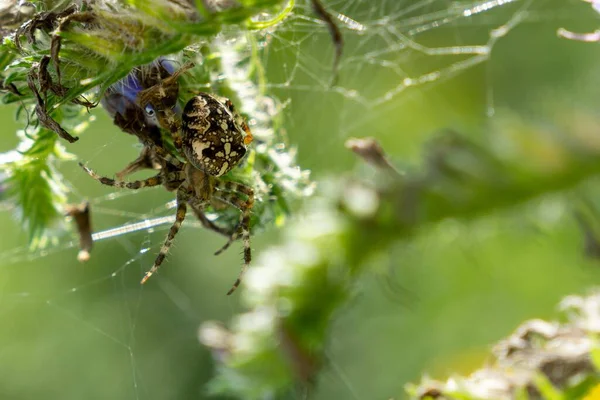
(212, 139)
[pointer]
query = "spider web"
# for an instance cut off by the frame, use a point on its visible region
(72, 330)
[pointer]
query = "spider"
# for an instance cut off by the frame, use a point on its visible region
(120, 101)
(213, 138)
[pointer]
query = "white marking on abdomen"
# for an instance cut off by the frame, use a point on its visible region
(223, 168)
(199, 147)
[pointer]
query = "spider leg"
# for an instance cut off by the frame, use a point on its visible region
(179, 217)
(229, 193)
(172, 79)
(163, 97)
(162, 153)
(169, 118)
(153, 181)
(229, 198)
(146, 160)
(232, 188)
(232, 238)
(207, 223)
(235, 187)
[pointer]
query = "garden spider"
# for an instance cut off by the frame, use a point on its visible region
(120, 101)
(213, 138)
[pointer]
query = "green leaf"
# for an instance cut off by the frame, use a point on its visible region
(547, 390)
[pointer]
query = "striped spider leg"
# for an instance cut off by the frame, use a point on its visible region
(197, 190)
(182, 199)
(232, 193)
(134, 185)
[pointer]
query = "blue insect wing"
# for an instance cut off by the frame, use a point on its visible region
(169, 65)
(129, 86)
(115, 103)
(123, 94)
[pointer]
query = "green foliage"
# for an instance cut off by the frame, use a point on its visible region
(294, 290)
(35, 185)
(547, 360)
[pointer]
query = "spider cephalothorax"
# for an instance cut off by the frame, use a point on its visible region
(213, 137)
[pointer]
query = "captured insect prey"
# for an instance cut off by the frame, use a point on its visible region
(120, 102)
(208, 134)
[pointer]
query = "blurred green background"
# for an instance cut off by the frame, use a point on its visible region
(433, 304)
